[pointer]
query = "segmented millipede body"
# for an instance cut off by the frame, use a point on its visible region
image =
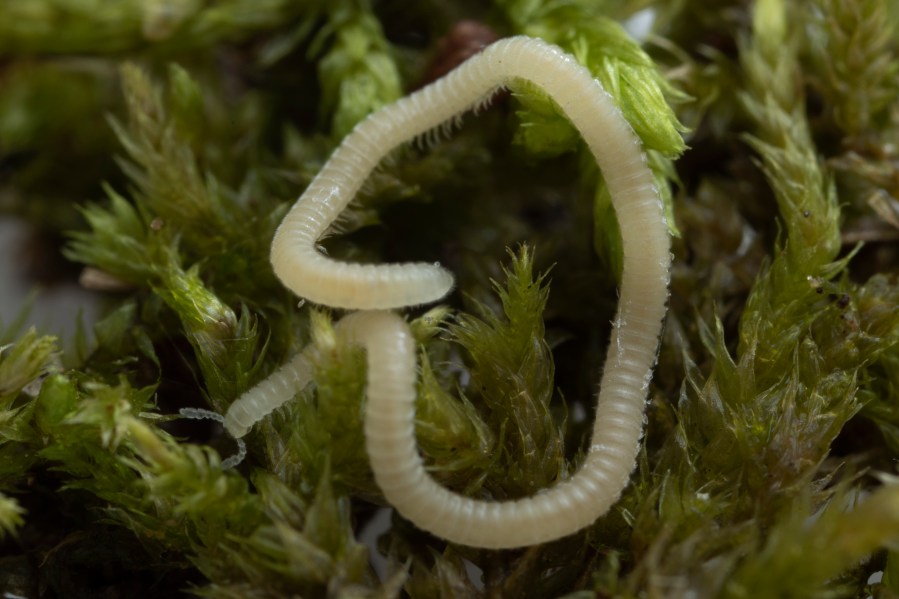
(269, 395)
(390, 412)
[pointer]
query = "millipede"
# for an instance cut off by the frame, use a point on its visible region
(373, 291)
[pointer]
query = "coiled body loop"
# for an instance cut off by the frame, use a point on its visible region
(390, 413)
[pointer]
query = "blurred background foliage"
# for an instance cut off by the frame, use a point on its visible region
(152, 147)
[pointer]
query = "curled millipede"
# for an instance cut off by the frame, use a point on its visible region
(390, 411)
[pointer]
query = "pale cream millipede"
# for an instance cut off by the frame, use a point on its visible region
(390, 412)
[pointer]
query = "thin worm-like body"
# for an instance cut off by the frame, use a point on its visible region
(314, 276)
(269, 395)
(390, 415)
(399, 470)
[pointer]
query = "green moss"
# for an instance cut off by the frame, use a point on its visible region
(773, 423)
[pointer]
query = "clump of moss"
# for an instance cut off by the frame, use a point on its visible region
(773, 424)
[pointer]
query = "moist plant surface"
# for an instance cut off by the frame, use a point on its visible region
(153, 147)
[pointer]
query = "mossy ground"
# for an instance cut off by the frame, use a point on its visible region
(167, 139)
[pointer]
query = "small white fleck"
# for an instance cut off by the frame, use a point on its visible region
(639, 25)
